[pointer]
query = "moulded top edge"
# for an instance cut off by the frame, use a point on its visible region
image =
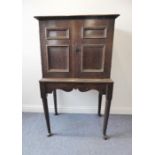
(77, 16)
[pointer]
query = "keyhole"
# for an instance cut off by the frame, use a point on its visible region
(77, 49)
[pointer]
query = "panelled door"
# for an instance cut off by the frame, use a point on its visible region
(56, 48)
(79, 48)
(93, 47)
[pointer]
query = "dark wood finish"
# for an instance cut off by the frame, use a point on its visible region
(68, 46)
(108, 16)
(56, 48)
(76, 53)
(103, 86)
(45, 107)
(99, 103)
(55, 101)
(109, 90)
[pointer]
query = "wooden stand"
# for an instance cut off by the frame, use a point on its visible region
(103, 86)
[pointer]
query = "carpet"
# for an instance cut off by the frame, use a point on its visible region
(76, 134)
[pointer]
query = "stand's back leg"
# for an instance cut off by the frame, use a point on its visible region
(99, 103)
(55, 102)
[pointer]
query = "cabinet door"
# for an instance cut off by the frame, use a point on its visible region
(93, 47)
(55, 36)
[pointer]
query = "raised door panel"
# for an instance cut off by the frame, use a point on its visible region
(58, 58)
(94, 47)
(56, 48)
(92, 58)
(56, 33)
(94, 32)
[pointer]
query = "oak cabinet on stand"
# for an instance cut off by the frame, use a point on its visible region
(76, 53)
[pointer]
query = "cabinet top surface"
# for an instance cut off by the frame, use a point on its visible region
(76, 80)
(77, 16)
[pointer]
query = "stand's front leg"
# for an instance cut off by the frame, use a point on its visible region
(109, 91)
(45, 107)
(46, 113)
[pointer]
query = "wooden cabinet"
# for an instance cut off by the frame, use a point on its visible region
(76, 52)
(76, 47)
